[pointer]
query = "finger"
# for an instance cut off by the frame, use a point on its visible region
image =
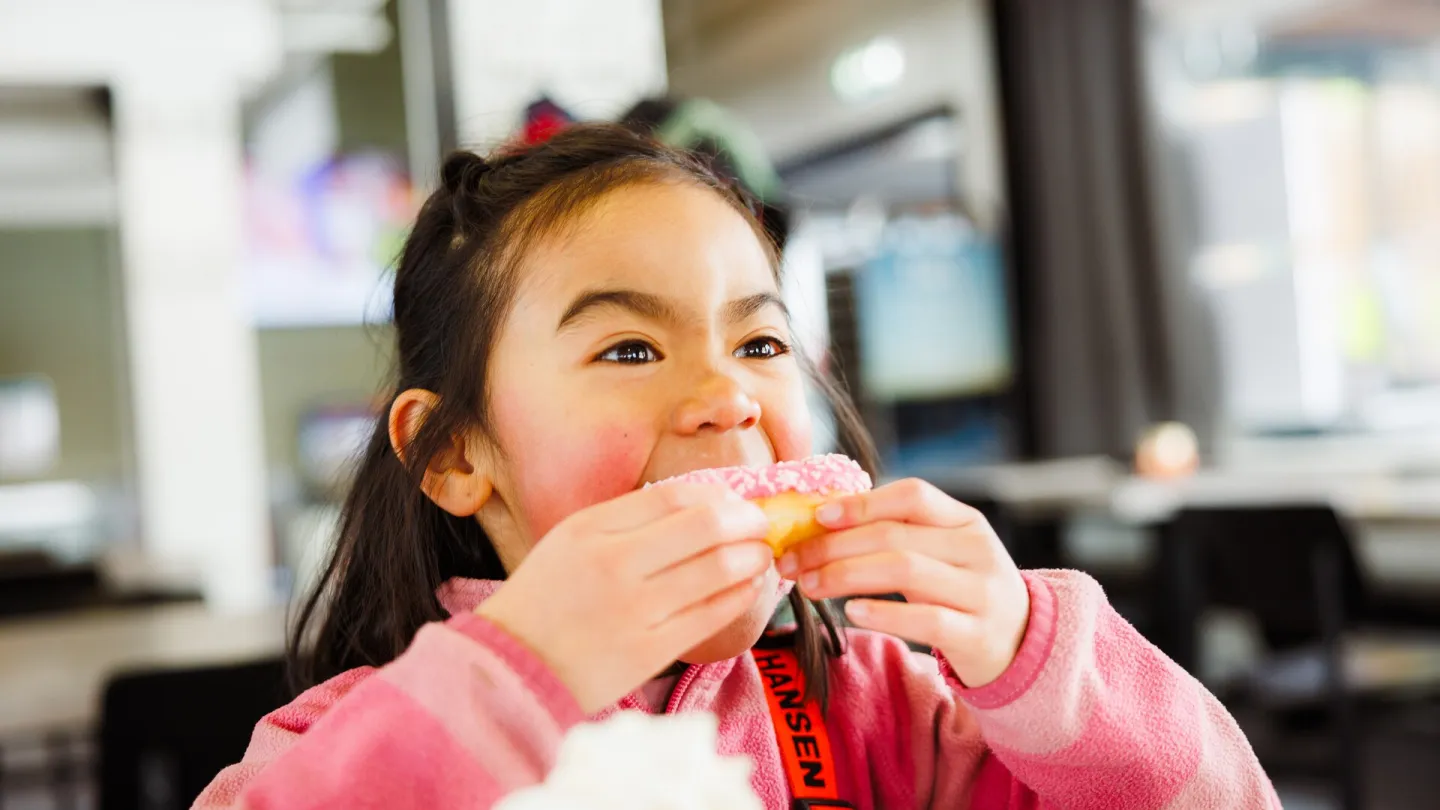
(932, 625)
(694, 531)
(645, 506)
(907, 501)
(956, 547)
(917, 577)
(698, 578)
(704, 619)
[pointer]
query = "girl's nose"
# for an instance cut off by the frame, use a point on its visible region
(718, 404)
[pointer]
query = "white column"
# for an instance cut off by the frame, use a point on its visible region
(596, 59)
(178, 70)
(192, 352)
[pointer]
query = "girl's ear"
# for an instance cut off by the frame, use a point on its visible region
(453, 479)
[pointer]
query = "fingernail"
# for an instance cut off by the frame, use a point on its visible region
(830, 513)
(809, 582)
(857, 610)
(788, 565)
(742, 558)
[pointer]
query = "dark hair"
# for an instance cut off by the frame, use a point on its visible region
(647, 115)
(453, 287)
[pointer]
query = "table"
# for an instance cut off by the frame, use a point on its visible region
(1040, 489)
(1055, 489)
(1395, 509)
(1364, 497)
(53, 669)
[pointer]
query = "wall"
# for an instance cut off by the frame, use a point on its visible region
(59, 317)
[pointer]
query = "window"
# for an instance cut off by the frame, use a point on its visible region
(1301, 150)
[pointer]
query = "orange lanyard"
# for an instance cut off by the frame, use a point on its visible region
(800, 729)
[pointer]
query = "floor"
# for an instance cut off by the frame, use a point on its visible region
(30, 779)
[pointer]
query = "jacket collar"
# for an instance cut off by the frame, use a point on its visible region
(460, 595)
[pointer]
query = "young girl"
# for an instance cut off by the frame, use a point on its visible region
(598, 312)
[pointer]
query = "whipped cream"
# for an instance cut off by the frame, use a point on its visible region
(638, 761)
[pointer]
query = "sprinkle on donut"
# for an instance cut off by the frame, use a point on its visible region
(832, 474)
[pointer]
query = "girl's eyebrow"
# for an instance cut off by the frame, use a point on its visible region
(743, 308)
(647, 306)
(655, 308)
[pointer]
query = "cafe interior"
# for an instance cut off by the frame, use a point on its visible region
(1141, 280)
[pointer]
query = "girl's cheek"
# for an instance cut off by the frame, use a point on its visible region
(791, 440)
(788, 425)
(558, 478)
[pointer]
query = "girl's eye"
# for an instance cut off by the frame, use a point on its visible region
(630, 353)
(763, 348)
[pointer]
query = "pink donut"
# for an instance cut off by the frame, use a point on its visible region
(788, 492)
(832, 474)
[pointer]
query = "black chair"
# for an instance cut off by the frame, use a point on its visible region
(1292, 568)
(34, 582)
(165, 734)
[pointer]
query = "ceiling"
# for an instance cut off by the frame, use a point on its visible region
(691, 24)
(1299, 20)
(724, 45)
(1415, 21)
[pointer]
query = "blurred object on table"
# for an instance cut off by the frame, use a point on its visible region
(1167, 450)
(33, 582)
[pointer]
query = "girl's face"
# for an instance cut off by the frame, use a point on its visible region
(646, 340)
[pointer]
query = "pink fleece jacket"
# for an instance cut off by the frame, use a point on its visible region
(1089, 715)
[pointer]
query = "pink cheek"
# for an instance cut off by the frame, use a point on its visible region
(570, 475)
(793, 441)
(787, 424)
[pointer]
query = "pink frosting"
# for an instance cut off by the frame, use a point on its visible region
(820, 475)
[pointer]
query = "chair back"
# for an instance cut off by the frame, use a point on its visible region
(164, 734)
(1289, 566)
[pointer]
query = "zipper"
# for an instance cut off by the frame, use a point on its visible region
(686, 677)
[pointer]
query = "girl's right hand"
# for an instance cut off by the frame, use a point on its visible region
(616, 592)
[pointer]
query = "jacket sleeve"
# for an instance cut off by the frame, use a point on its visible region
(465, 716)
(1091, 715)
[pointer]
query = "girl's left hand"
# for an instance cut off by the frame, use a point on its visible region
(965, 597)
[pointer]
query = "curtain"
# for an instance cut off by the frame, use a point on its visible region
(1100, 311)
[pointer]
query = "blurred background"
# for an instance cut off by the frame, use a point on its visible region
(1154, 283)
